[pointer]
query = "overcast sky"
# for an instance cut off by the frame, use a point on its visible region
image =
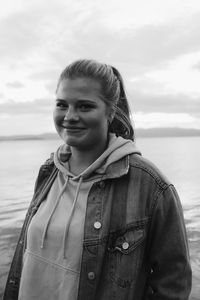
(154, 43)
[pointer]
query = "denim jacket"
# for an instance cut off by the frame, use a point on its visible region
(139, 252)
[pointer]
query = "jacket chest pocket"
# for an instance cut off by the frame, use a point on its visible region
(125, 254)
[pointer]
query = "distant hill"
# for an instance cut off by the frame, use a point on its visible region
(44, 136)
(139, 132)
(166, 132)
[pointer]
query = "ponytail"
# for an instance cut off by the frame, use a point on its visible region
(121, 124)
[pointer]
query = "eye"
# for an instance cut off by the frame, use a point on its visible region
(86, 107)
(61, 105)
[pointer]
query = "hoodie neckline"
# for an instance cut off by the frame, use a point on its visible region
(117, 149)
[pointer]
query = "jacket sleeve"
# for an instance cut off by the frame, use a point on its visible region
(13, 280)
(169, 262)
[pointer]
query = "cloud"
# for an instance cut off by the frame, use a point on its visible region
(150, 103)
(148, 120)
(36, 29)
(49, 76)
(26, 124)
(18, 36)
(146, 45)
(62, 32)
(38, 106)
(15, 84)
(42, 39)
(139, 103)
(196, 66)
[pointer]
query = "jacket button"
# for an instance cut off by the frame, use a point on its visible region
(97, 225)
(91, 276)
(12, 281)
(125, 245)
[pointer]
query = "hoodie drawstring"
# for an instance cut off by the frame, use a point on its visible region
(70, 217)
(52, 212)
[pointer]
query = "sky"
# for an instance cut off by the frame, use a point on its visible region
(155, 44)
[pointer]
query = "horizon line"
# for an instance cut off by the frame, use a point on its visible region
(139, 132)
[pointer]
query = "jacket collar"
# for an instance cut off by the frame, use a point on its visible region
(115, 170)
(118, 168)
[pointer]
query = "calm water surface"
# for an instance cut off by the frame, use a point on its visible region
(178, 158)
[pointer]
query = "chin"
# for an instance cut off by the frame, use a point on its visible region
(71, 141)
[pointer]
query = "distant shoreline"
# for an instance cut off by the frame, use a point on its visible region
(139, 132)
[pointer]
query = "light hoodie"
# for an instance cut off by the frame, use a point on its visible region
(52, 260)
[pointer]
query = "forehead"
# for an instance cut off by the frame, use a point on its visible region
(79, 86)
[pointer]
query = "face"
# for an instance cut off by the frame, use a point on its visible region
(80, 114)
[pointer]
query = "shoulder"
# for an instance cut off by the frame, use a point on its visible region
(46, 168)
(47, 164)
(49, 161)
(45, 171)
(148, 170)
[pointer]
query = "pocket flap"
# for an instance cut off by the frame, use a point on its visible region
(126, 241)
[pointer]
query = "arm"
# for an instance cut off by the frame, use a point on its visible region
(46, 173)
(170, 277)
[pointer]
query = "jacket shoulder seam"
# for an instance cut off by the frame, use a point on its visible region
(159, 195)
(162, 183)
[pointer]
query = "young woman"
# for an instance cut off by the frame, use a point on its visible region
(103, 223)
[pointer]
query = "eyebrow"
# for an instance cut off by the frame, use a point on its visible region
(81, 100)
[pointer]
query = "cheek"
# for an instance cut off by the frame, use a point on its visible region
(99, 123)
(99, 118)
(57, 117)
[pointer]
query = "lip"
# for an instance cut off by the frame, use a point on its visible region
(73, 128)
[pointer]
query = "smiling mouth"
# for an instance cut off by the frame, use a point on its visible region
(73, 129)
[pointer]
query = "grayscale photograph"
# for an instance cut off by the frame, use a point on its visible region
(99, 150)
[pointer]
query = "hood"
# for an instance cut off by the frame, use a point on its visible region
(118, 147)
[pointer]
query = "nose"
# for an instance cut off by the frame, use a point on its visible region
(71, 115)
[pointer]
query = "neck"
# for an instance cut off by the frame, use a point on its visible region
(82, 159)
